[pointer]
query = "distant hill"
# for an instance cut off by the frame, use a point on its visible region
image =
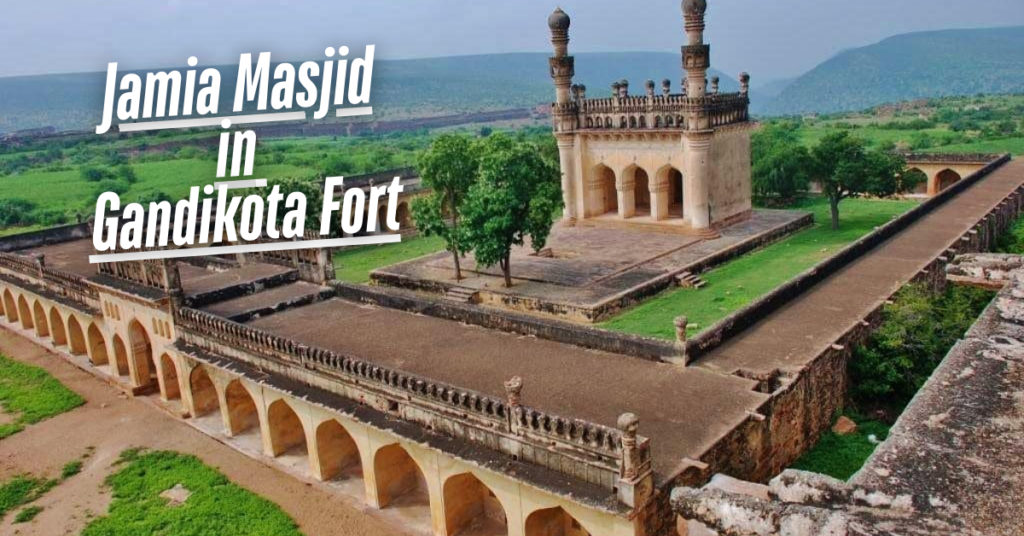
(401, 88)
(908, 67)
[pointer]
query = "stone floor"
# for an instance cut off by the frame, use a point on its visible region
(589, 266)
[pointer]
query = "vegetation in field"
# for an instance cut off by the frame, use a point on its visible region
(916, 332)
(27, 514)
(31, 395)
(215, 506)
(354, 265)
(840, 456)
(71, 469)
(1012, 241)
(21, 490)
(741, 281)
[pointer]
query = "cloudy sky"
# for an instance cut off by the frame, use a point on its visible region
(770, 38)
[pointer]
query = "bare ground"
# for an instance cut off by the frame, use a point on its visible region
(110, 422)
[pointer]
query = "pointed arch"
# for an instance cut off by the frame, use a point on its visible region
(10, 306)
(946, 178)
(919, 179)
(637, 176)
(399, 478)
(169, 376)
(141, 353)
(672, 179)
(242, 413)
(25, 313)
(337, 451)
(471, 508)
(57, 331)
(553, 522)
(97, 346)
(606, 196)
(204, 394)
(286, 431)
(39, 315)
(120, 365)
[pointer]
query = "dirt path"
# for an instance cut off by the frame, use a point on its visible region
(111, 423)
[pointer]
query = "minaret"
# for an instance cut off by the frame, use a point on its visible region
(562, 71)
(698, 132)
(696, 55)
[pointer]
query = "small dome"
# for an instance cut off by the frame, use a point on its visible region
(694, 7)
(559, 20)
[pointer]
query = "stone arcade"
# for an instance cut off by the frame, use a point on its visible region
(657, 158)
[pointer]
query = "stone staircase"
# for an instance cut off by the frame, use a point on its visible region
(690, 280)
(459, 294)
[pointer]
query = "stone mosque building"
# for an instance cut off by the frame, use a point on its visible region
(659, 158)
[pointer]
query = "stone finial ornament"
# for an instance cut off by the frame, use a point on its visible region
(582, 90)
(559, 20)
(650, 88)
(666, 87)
(744, 83)
(681, 322)
(514, 391)
(694, 7)
(629, 424)
(714, 84)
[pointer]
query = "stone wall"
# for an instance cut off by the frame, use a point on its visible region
(45, 237)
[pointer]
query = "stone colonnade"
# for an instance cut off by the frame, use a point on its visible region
(132, 344)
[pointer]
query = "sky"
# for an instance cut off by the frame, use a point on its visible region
(771, 39)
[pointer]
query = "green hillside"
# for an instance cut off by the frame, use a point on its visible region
(908, 67)
(401, 88)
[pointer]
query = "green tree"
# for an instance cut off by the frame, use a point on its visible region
(845, 168)
(449, 168)
(517, 197)
(780, 162)
(94, 173)
(126, 173)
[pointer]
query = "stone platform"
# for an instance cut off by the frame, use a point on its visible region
(586, 274)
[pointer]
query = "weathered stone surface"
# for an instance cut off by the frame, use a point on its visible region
(177, 495)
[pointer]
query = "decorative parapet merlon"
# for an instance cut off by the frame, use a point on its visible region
(585, 450)
(652, 112)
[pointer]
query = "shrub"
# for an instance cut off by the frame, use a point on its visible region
(95, 174)
(16, 212)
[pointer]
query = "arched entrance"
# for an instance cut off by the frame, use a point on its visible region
(120, 365)
(60, 336)
(471, 508)
(945, 179)
(337, 451)
(42, 326)
(142, 353)
(399, 480)
(10, 307)
(286, 432)
(25, 313)
(607, 199)
(204, 394)
(673, 178)
(641, 192)
(242, 414)
(918, 179)
(553, 522)
(402, 215)
(169, 371)
(97, 346)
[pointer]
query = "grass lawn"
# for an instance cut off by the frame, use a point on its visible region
(1013, 146)
(31, 395)
(67, 190)
(741, 281)
(840, 456)
(216, 505)
(354, 265)
(22, 489)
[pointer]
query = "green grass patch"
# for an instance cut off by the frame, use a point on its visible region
(354, 265)
(71, 469)
(216, 506)
(840, 456)
(31, 394)
(1013, 146)
(22, 489)
(27, 514)
(743, 280)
